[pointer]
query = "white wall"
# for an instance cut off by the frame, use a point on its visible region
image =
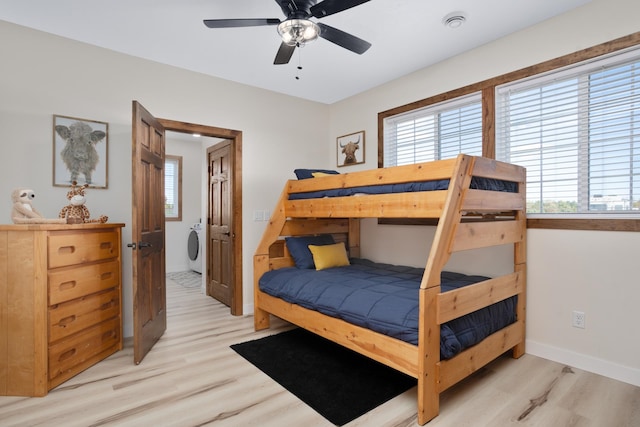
(595, 272)
(42, 75)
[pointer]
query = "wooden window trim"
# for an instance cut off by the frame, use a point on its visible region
(487, 87)
(585, 224)
(178, 159)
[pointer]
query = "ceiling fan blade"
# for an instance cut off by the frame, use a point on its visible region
(233, 23)
(285, 52)
(345, 40)
(329, 7)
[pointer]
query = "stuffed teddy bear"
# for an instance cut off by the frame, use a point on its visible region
(76, 212)
(23, 211)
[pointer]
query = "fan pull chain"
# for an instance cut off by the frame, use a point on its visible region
(299, 67)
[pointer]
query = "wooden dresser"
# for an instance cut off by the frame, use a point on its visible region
(60, 303)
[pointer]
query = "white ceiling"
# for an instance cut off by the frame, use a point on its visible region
(406, 35)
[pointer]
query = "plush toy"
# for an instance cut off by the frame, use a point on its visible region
(76, 212)
(23, 211)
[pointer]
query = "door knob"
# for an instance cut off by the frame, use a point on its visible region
(139, 245)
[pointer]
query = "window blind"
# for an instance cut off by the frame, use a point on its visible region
(435, 132)
(577, 131)
(170, 187)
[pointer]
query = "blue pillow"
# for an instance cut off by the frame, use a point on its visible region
(299, 248)
(308, 173)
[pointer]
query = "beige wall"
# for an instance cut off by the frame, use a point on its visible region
(594, 272)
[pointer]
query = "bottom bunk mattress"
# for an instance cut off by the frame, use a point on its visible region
(384, 298)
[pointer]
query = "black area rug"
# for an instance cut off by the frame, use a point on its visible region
(339, 384)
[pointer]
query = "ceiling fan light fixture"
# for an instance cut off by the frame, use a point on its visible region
(297, 32)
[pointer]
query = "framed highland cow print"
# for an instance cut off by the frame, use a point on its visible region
(350, 149)
(80, 152)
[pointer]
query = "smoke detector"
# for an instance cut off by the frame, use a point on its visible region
(454, 19)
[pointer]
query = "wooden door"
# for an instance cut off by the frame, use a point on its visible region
(148, 232)
(221, 237)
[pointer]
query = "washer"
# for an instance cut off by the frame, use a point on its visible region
(194, 248)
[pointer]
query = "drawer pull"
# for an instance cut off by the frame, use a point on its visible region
(66, 250)
(108, 335)
(64, 322)
(108, 305)
(106, 276)
(65, 286)
(66, 355)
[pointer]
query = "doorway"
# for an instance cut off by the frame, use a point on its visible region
(231, 263)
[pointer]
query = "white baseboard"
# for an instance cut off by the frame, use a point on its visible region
(177, 268)
(247, 310)
(587, 363)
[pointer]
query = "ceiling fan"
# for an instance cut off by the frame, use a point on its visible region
(298, 29)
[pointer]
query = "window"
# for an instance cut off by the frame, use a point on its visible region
(577, 131)
(173, 188)
(436, 132)
(591, 188)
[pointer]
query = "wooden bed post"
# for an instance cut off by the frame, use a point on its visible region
(354, 237)
(261, 319)
(429, 349)
(261, 265)
(429, 335)
(520, 266)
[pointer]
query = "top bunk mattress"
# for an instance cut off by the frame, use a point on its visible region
(477, 183)
(385, 299)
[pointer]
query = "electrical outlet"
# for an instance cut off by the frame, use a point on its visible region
(578, 319)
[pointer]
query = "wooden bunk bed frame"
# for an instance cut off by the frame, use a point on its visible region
(467, 219)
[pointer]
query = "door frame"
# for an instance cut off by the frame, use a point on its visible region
(235, 136)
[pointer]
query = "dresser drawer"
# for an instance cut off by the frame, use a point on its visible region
(66, 355)
(72, 283)
(65, 248)
(70, 317)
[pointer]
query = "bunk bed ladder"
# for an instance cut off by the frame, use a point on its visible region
(261, 319)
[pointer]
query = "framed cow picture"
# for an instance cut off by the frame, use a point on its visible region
(80, 150)
(350, 149)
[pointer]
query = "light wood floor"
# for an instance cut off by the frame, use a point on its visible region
(193, 378)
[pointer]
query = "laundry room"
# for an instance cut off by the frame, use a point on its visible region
(185, 164)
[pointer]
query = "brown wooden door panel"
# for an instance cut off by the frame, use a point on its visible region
(220, 263)
(149, 293)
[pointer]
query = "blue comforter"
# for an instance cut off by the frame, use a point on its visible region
(384, 298)
(443, 184)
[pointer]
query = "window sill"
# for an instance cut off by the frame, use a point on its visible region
(585, 224)
(592, 224)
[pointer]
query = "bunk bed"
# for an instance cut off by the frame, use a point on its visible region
(476, 202)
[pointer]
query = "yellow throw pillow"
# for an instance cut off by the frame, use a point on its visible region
(320, 174)
(327, 256)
